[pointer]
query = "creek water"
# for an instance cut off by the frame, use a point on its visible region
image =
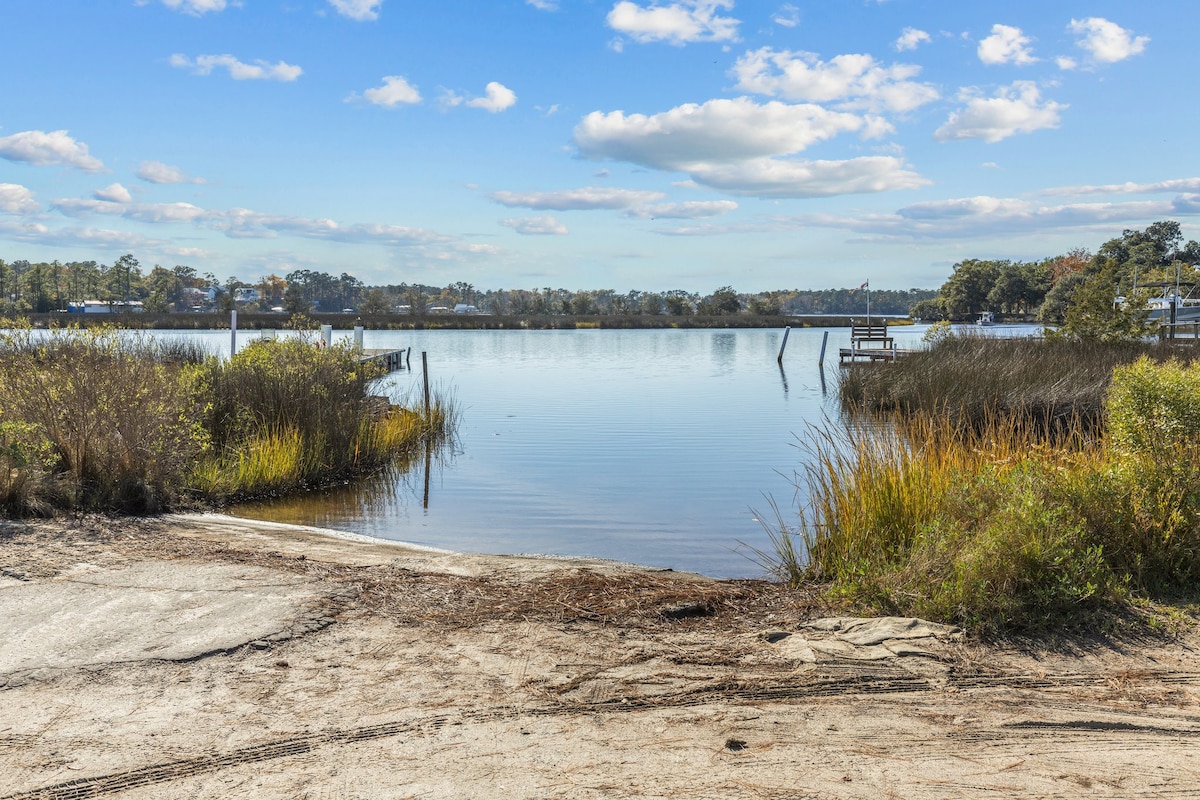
(658, 447)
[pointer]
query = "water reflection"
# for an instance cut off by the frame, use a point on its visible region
(630, 445)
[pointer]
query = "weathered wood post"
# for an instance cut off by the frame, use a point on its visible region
(821, 359)
(358, 338)
(327, 335)
(783, 346)
(232, 332)
(425, 379)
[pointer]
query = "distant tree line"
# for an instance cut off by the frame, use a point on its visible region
(43, 287)
(1134, 265)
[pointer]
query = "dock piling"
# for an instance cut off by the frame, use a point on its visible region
(783, 346)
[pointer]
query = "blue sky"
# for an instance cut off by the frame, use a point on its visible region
(587, 144)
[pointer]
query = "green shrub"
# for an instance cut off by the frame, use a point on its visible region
(114, 418)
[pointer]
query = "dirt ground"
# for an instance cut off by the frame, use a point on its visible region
(202, 657)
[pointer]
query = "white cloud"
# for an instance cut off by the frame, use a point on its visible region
(240, 71)
(735, 145)
(692, 209)
(113, 193)
(1015, 109)
(498, 98)
(984, 217)
(544, 5)
(1066, 63)
(396, 90)
(1006, 45)
(360, 10)
(678, 23)
(158, 172)
(1107, 42)
(154, 213)
(43, 149)
(193, 7)
(854, 80)
(1187, 185)
(787, 178)
(718, 130)
(535, 226)
(788, 16)
(911, 39)
(588, 198)
(16, 199)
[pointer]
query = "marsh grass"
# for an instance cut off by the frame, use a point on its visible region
(110, 420)
(970, 376)
(1011, 505)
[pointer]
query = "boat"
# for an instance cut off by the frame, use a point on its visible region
(1177, 295)
(986, 318)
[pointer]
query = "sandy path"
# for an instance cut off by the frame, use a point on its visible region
(204, 658)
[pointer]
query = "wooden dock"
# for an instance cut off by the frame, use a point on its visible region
(390, 360)
(871, 342)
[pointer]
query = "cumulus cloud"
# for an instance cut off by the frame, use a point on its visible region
(194, 7)
(16, 199)
(677, 23)
(535, 226)
(718, 130)
(113, 193)
(240, 71)
(692, 209)
(43, 149)
(1006, 45)
(1107, 42)
(497, 98)
(788, 178)
(736, 146)
(1066, 63)
(854, 80)
(589, 198)
(1018, 108)
(360, 10)
(396, 90)
(544, 5)
(911, 39)
(158, 172)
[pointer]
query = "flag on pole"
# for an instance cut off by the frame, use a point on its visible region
(864, 286)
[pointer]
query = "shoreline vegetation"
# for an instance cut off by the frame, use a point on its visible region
(1013, 487)
(104, 420)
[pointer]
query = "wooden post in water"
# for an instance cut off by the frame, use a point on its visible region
(425, 378)
(821, 359)
(327, 335)
(358, 338)
(782, 346)
(232, 332)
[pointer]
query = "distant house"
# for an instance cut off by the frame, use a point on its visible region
(246, 294)
(463, 308)
(438, 310)
(104, 307)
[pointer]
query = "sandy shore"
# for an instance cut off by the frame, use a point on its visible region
(202, 657)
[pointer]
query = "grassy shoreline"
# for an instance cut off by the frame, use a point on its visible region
(101, 420)
(1006, 486)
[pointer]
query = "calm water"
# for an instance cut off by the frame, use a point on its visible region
(654, 447)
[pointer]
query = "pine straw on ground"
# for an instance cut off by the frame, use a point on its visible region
(647, 600)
